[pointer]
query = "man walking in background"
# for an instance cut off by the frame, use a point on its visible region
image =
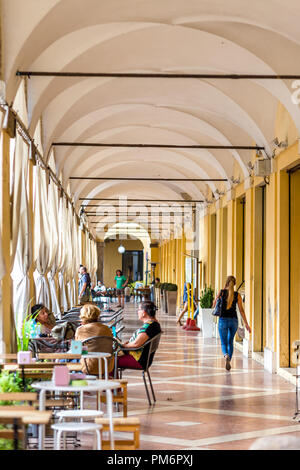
(84, 286)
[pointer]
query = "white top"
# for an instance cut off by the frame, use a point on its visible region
(93, 385)
(80, 413)
(71, 426)
(96, 354)
(100, 289)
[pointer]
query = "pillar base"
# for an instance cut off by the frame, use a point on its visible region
(192, 326)
(187, 324)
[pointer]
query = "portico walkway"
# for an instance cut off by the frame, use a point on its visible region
(199, 404)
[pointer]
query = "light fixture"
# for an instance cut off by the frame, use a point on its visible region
(282, 144)
(121, 249)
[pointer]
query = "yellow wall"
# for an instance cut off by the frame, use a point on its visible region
(221, 248)
(155, 258)
(294, 258)
(113, 259)
(172, 263)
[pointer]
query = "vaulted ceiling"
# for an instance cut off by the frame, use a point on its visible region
(154, 36)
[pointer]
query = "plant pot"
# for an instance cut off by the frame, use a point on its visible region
(171, 302)
(207, 322)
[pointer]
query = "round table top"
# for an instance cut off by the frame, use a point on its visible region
(96, 354)
(93, 385)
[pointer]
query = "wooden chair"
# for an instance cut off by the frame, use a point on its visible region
(122, 425)
(37, 370)
(57, 356)
(44, 371)
(120, 397)
(19, 415)
(5, 358)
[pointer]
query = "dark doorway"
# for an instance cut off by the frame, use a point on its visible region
(132, 265)
(294, 266)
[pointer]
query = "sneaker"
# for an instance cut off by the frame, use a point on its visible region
(227, 362)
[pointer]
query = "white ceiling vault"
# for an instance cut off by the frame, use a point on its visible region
(153, 36)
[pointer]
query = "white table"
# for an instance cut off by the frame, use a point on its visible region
(93, 386)
(99, 356)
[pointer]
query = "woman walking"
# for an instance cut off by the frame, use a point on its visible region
(228, 320)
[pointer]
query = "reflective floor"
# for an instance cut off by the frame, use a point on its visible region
(199, 404)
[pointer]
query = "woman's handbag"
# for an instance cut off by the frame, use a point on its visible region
(63, 330)
(217, 311)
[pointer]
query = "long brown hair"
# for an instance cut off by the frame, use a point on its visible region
(229, 285)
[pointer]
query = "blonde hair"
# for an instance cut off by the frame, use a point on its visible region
(89, 313)
(229, 285)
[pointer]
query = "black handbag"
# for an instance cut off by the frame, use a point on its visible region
(217, 311)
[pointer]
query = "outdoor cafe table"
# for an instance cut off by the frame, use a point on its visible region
(93, 386)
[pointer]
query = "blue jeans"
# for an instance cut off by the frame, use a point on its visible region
(227, 330)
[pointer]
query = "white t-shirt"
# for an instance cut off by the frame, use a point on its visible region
(100, 289)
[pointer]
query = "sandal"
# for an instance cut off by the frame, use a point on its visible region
(227, 362)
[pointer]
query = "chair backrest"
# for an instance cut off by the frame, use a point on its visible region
(47, 345)
(27, 400)
(153, 346)
(8, 357)
(101, 344)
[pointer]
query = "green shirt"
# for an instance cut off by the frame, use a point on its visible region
(120, 281)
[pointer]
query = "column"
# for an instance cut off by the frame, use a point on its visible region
(249, 254)
(7, 321)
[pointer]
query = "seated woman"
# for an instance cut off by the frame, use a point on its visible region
(149, 329)
(41, 315)
(41, 332)
(89, 315)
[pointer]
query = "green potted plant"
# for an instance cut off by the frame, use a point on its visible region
(206, 302)
(11, 383)
(27, 329)
(207, 298)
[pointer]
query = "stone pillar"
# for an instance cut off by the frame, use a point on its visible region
(6, 316)
(100, 259)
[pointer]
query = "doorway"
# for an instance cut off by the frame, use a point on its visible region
(259, 267)
(294, 265)
(133, 265)
(240, 245)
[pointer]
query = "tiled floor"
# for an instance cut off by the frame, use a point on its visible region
(199, 404)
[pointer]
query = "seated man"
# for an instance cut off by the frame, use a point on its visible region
(99, 290)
